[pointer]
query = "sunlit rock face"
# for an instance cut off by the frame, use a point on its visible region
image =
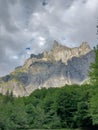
(61, 65)
(64, 53)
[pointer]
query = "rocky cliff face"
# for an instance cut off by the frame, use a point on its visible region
(64, 53)
(60, 53)
(61, 65)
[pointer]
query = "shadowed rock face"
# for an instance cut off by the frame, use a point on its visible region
(39, 56)
(50, 69)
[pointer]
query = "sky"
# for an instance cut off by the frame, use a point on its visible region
(31, 26)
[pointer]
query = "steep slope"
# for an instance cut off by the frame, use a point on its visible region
(60, 66)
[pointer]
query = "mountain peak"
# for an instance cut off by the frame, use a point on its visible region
(85, 45)
(56, 44)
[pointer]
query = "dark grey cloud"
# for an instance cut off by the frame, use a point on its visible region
(30, 23)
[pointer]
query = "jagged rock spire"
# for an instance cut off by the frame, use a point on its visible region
(85, 45)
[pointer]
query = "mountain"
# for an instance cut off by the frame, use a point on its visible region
(61, 65)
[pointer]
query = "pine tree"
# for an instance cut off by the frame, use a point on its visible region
(93, 73)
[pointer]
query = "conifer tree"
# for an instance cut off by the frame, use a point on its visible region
(93, 73)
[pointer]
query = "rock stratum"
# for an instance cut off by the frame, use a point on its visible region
(61, 65)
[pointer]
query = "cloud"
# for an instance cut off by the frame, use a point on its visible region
(5, 18)
(29, 23)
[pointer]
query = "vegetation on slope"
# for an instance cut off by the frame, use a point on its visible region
(54, 108)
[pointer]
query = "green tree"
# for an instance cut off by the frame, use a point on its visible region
(82, 113)
(94, 108)
(49, 104)
(67, 106)
(93, 73)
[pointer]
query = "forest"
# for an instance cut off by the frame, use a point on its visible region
(70, 107)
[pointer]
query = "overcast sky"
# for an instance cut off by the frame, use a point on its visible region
(35, 24)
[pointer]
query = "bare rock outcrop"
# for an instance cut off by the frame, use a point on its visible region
(61, 65)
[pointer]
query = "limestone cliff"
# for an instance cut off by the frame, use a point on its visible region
(64, 53)
(61, 65)
(60, 53)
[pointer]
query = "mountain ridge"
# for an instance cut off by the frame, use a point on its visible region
(61, 65)
(60, 52)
